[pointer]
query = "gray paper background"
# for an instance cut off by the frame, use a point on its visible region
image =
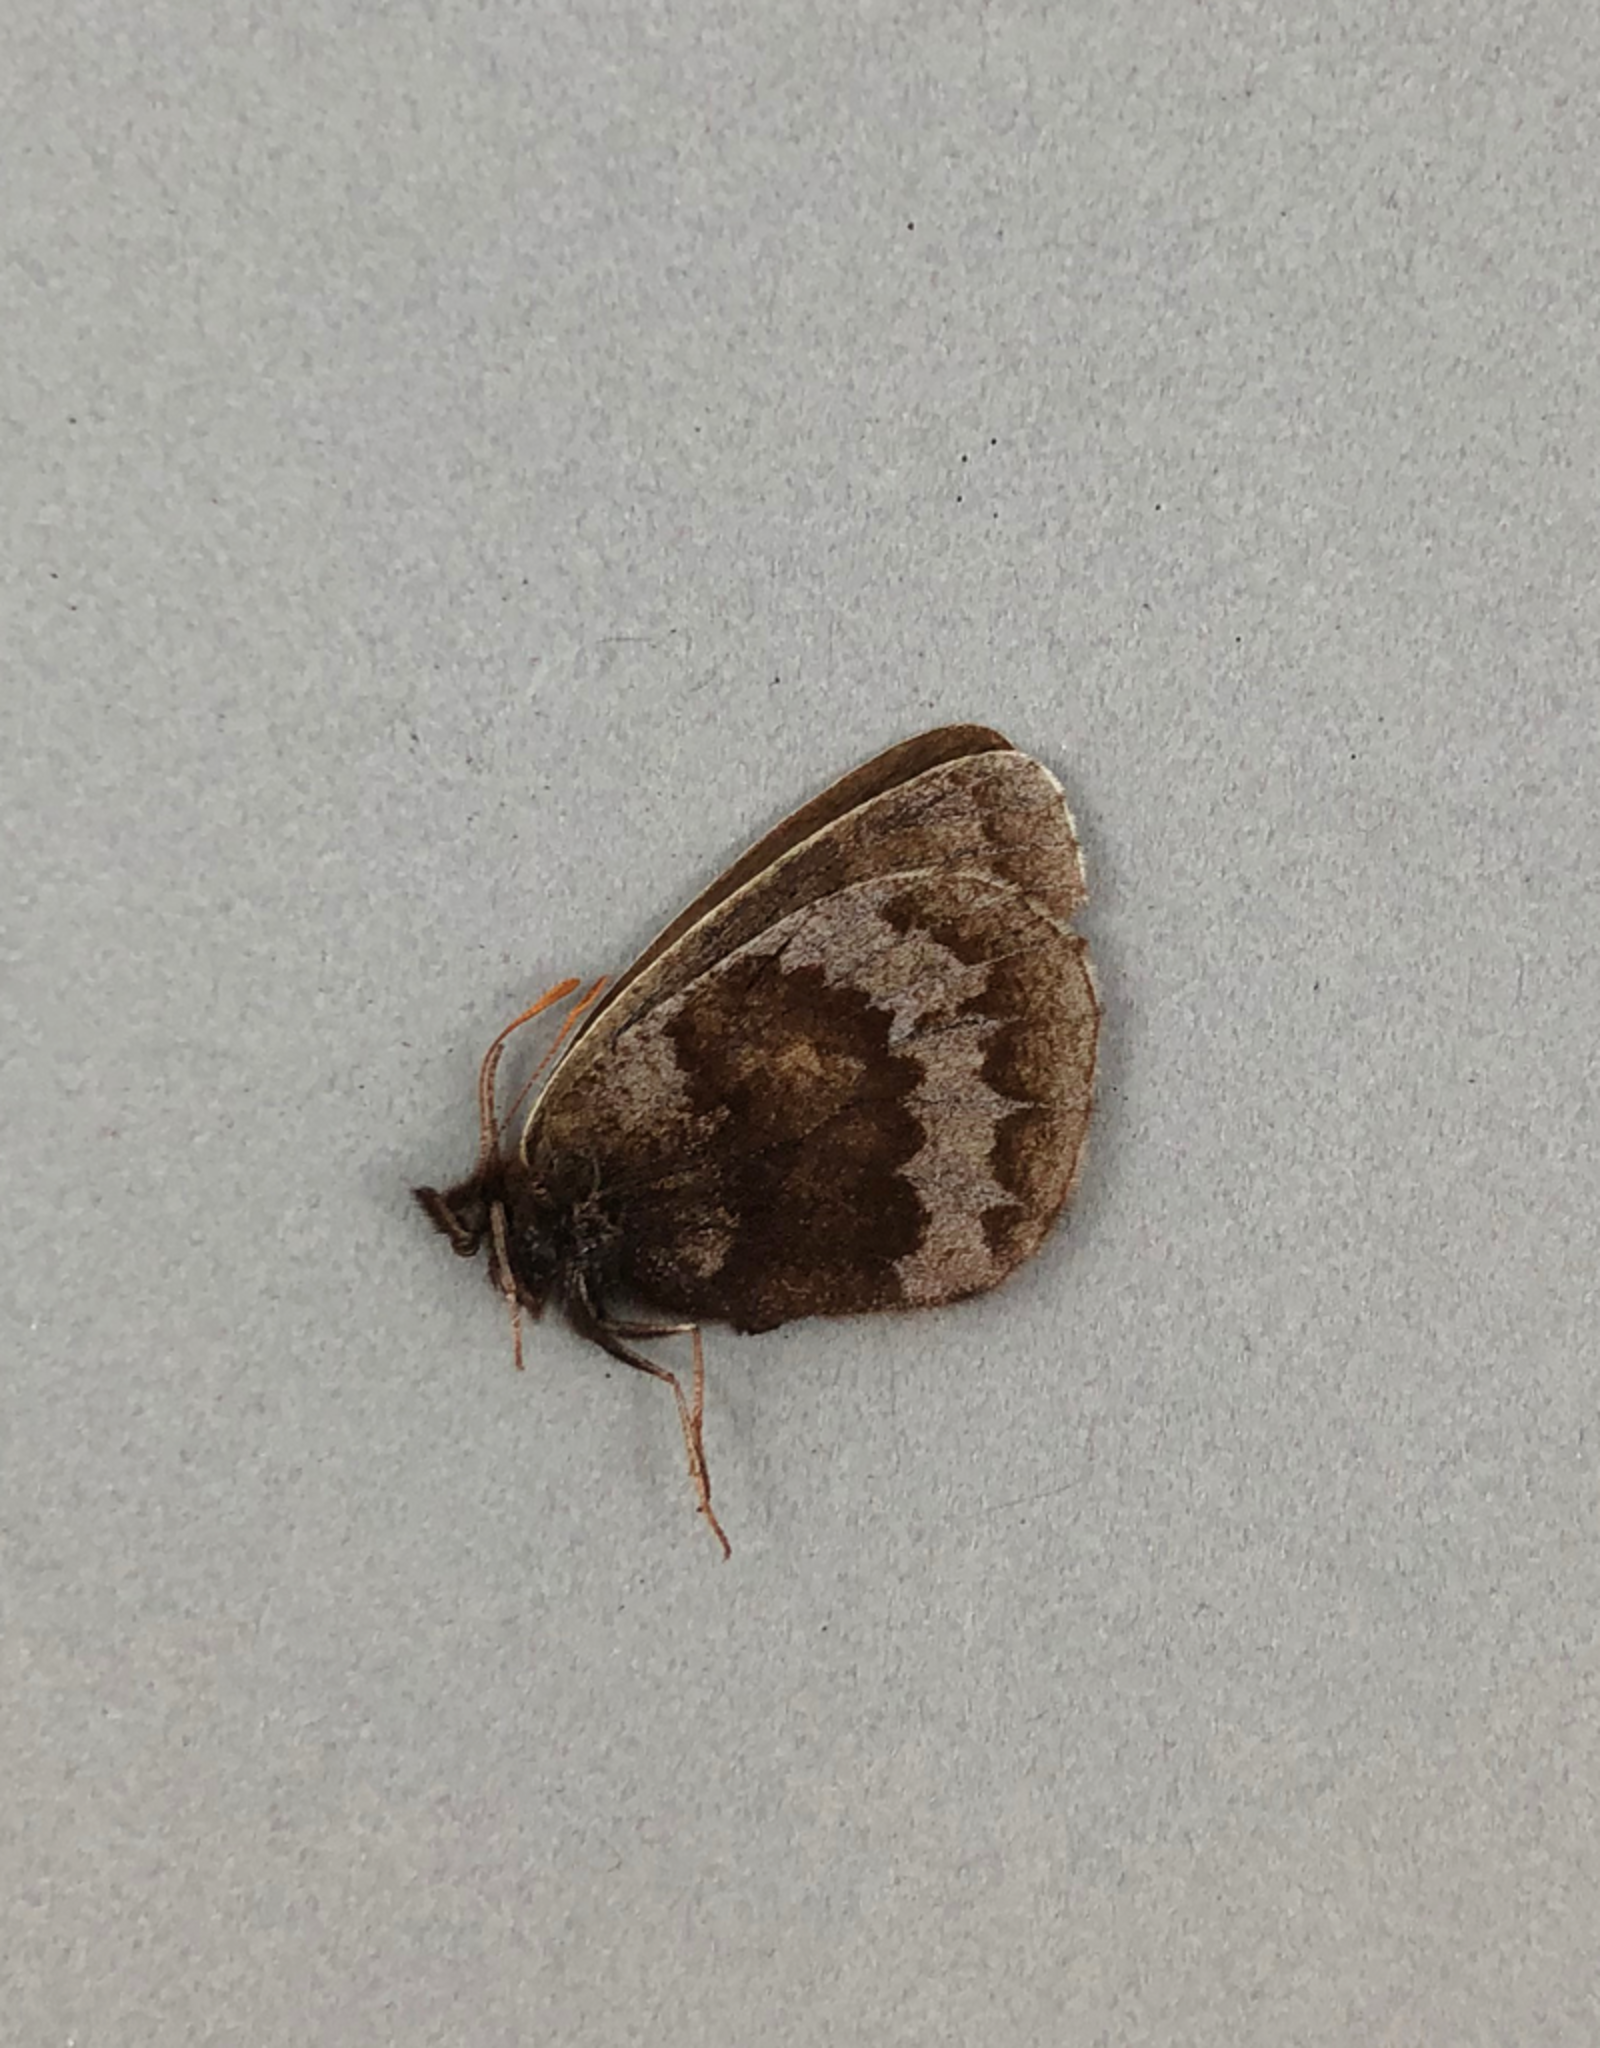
(468, 469)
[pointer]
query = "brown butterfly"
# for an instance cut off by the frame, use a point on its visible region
(854, 1074)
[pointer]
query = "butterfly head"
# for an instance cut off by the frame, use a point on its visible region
(499, 1203)
(499, 1207)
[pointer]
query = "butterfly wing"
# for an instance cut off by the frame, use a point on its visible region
(992, 810)
(886, 771)
(862, 1080)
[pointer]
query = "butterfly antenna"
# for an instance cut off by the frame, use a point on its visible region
(488, 1130)
(567, 1023)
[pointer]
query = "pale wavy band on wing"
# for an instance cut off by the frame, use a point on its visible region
(885, 1090)
(996, 812)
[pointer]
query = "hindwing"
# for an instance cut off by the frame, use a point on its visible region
(857, 1073)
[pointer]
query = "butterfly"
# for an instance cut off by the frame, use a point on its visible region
(854, 1074)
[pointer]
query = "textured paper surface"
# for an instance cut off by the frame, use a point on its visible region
(468, 472)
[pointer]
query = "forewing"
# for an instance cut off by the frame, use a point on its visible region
(995, 812)
(886, 771)
(876, 1100)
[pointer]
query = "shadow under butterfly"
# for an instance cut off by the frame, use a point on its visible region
(855, 1074)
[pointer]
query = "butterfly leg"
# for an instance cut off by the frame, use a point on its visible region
(611, 1336)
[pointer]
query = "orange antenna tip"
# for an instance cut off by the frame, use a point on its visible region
(487, 1132)
(567, 1023)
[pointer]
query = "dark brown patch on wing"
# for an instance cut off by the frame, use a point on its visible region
(1048, 999)
(1011, 1233)
(805, 1179)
